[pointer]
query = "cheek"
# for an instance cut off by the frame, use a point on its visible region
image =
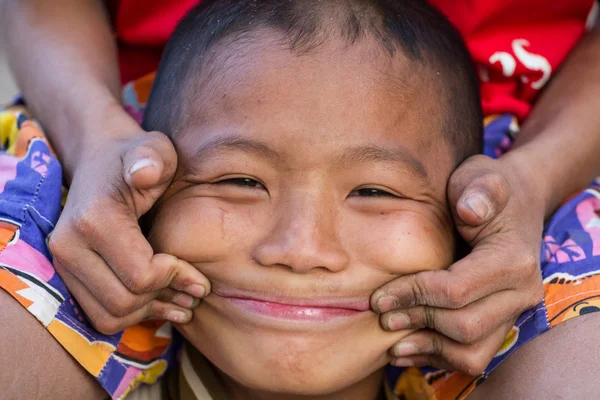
(403, 243)
(202, 229)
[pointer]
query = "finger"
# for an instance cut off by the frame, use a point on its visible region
(126, 251)
(434, 349)
(179, 298)
(150, 163)
(115, 298)
(104, 285)
(108, 324)
(465, 325)
(181, 275)
(483, 272)
(477, 194)
(422, 361)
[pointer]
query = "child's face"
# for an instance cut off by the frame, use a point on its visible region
(305, 183)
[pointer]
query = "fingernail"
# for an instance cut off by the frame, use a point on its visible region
(140, 164)
(398, 321)
(386, 303)
(196, 290)
(184, 300)
(404, 349)
(195, 304)
(479, 204)
(403, 362)
(178, 317)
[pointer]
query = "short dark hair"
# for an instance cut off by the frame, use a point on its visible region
(414, 27)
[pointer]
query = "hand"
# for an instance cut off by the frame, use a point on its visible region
(468, 309)
(98, 247)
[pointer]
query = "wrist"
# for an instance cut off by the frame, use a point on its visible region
(532, 179)
(92, 128)
(109, 121)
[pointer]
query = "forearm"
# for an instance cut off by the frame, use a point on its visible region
(559, 143)
(33, 363)
(63, 57)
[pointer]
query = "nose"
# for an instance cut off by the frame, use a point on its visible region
(304, 237)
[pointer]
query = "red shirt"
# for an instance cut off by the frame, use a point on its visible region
(516, 44)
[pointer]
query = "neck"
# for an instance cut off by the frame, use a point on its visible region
(367, 389)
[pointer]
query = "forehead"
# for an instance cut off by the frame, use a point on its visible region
(337, 95)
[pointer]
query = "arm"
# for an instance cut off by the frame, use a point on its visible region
(560, 141)
(561, 363)
(555, 154)
(63, 57)
(33, 364)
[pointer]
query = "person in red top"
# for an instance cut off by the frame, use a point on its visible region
(516, 45)
(500, 205)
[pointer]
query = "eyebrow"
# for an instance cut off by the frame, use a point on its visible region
(370, 153)
(235, 142)
(360, 154)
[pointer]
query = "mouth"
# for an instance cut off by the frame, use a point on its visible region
(319, 309)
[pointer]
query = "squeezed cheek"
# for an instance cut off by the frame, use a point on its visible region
(201, 230)
(407, 244)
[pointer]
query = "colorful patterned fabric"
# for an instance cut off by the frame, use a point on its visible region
(30, 204)
(570, 265)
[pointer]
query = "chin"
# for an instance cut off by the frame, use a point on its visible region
(291, 382)
(295, 366)
(276, 359)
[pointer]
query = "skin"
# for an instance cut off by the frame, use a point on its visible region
(564, 121)
(26, 355)
(304, 226)
(551, 366)
(100, 147)
(512, 196)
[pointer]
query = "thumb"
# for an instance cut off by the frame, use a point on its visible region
(478, 195)
(149, 165)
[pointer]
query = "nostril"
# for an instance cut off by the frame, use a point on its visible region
(300, 260)
(302, 244)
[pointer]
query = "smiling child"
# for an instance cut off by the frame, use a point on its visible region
(315, 142)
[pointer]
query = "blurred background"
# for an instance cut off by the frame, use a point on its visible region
(7, 87)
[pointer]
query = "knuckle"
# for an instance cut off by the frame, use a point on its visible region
(537, 295)
(119, 306)
(494, 182)
(422, 289)
(432, 361)
(58, 246)
(469, 329)
(531, 282)
(474, 364)
(87, 223)
(138, 282)
(456, 295)
(522, 263)
(155, 309)
(428, 319)
(418, 294)
(528, 262)
(106, 325)
(437, 345)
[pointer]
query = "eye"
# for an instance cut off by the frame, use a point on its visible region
(372, 192)
(244, 182)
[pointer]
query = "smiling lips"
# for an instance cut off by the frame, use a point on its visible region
(313, 310)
